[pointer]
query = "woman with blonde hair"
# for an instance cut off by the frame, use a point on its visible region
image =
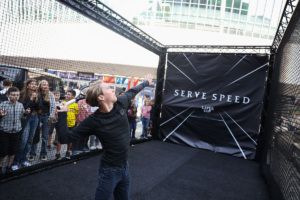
(47, 110)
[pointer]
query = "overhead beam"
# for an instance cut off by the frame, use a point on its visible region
(287, 14)
(100, 13)
(219, 49)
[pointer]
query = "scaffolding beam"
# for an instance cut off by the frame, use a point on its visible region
(220, 49)
(287, 14)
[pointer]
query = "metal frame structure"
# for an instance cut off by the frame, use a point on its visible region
(100, 13)
(105, 16)
(289, 9)
(219, 49)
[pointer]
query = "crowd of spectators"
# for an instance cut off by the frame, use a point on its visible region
(28, 124)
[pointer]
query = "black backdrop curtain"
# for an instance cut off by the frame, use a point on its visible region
(214, 101)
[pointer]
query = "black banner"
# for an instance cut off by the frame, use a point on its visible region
(214, 101)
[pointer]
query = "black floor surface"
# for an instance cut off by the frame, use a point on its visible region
(159, 171)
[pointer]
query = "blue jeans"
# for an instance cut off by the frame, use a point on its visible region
(27, 138)
(45, 133)
(145, 122)
(132, 124)
(113, 181)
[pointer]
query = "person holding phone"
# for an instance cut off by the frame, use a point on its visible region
(11, 113)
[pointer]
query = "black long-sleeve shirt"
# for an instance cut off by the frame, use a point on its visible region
(111, 128)
(33, 105)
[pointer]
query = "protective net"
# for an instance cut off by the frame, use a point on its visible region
(283, 118)
(47, 43)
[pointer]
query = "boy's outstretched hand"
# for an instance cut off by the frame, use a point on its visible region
(149, 78)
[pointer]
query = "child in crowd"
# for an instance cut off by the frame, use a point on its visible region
(146, 109)
(53, 125)
(71, 119)
(132, 113)
(11, 113)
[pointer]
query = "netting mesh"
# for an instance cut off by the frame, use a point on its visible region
(284, 157)
(45, 40)
(35, 39)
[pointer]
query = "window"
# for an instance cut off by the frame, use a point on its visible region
(245, 6)
(228, 3)
(237, 5)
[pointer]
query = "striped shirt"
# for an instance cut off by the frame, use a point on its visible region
(11, 122)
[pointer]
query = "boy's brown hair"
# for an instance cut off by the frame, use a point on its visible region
(12, 89)
(92, 94)
(72, 92)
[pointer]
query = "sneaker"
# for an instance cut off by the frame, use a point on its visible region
(44, 158)
(26, 164)
(93, 148)
(99, 146)
(68, 155)
(31, 158)
(57, 156)
(14, 167)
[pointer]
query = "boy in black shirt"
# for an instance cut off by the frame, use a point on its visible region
(110, 124)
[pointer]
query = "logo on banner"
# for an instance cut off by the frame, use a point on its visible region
(207, 109)
(214, 101)
(213, 97)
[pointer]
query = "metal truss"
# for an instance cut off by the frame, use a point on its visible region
(100, 13)
(289, 9)
(220, 49)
